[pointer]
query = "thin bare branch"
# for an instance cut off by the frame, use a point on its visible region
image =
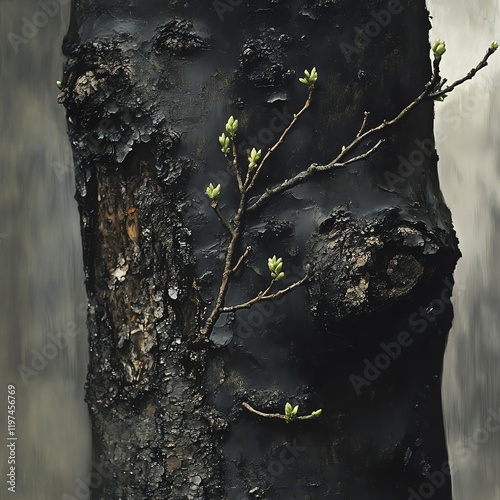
(306, 174)
(241, 259)
(363, 156)
(234, 165)
(482, 64)
(363, 125)
(262, 414)
(250, 181)
(221, 217)
(219, 301)
(264, 296)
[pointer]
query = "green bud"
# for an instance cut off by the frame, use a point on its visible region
(232, 126)
(316, 413)
(59, 84)
(290, 412)
(224, 142)
(438, 48)
(494, 46)
(213, 192)
(314, 75)
(275, 266)
(254, 158)
(441, 98)
(310, 78)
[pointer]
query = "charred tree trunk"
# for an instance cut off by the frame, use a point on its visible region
(148, 87)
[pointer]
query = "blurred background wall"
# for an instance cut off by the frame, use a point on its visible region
(42, 299)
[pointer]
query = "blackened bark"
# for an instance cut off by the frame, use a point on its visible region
(148, 88)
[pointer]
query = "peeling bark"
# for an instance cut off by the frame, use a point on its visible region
(147, 90)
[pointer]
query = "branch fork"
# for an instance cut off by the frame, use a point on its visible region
(435, 89)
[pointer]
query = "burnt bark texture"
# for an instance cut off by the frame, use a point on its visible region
(148, 87)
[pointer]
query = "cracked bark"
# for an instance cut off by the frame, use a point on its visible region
(147, 90)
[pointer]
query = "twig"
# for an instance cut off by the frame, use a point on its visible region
(277, 415)
(305, 175)
(482, 64)
(262, 414)
(241, 259)
(363, 156)
(221, 217)
(234, 165)
(263, 296)
(216, 311)
(250, 181)
(363, 125)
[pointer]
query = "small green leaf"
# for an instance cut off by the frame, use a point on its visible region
(494, 46)
(295, 410)
(59, 84)
(316, 413)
